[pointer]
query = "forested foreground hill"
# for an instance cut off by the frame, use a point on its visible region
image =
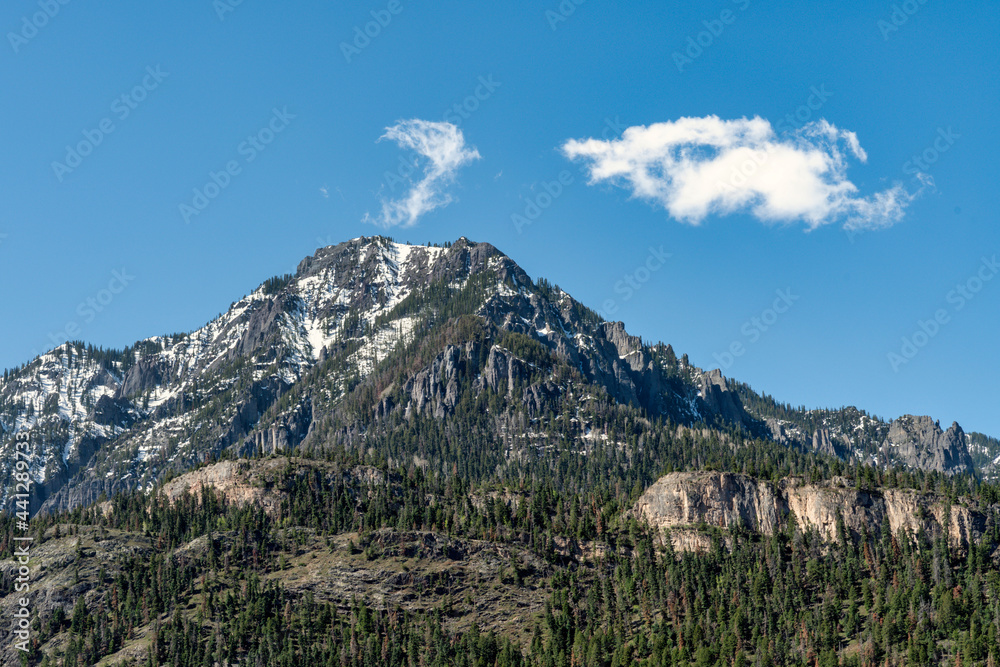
(482, 472)
(335, 561)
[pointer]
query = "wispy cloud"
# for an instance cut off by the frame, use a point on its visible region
(443, 149)
(696, 167)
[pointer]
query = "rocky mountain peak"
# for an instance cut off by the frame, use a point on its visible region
(919, 442)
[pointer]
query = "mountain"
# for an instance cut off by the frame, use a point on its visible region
(418, 455)
(280, 367)
(104, 421)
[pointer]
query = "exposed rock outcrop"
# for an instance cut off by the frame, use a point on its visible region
(778, 431)
(281, 435)
(725, 500)
(720, 400)
(113, 412)
(920, 443)
(502, 368)
(713, 498)
(715, 392)
(66, 497)
(263, 482)
(435, 388)
(144, 375)
(823, 443)
(538, 398)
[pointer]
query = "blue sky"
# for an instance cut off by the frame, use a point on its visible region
(200, 80)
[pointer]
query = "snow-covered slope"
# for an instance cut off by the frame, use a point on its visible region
(250, 354)
(64, 399)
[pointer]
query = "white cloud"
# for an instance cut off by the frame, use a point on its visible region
(696, 167)
(442, 147)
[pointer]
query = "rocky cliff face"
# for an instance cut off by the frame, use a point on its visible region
(919, 442)
(436, 388)
(263, 482)
(720, 400)
(823, 443)
(717, 499)
(683, 501)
